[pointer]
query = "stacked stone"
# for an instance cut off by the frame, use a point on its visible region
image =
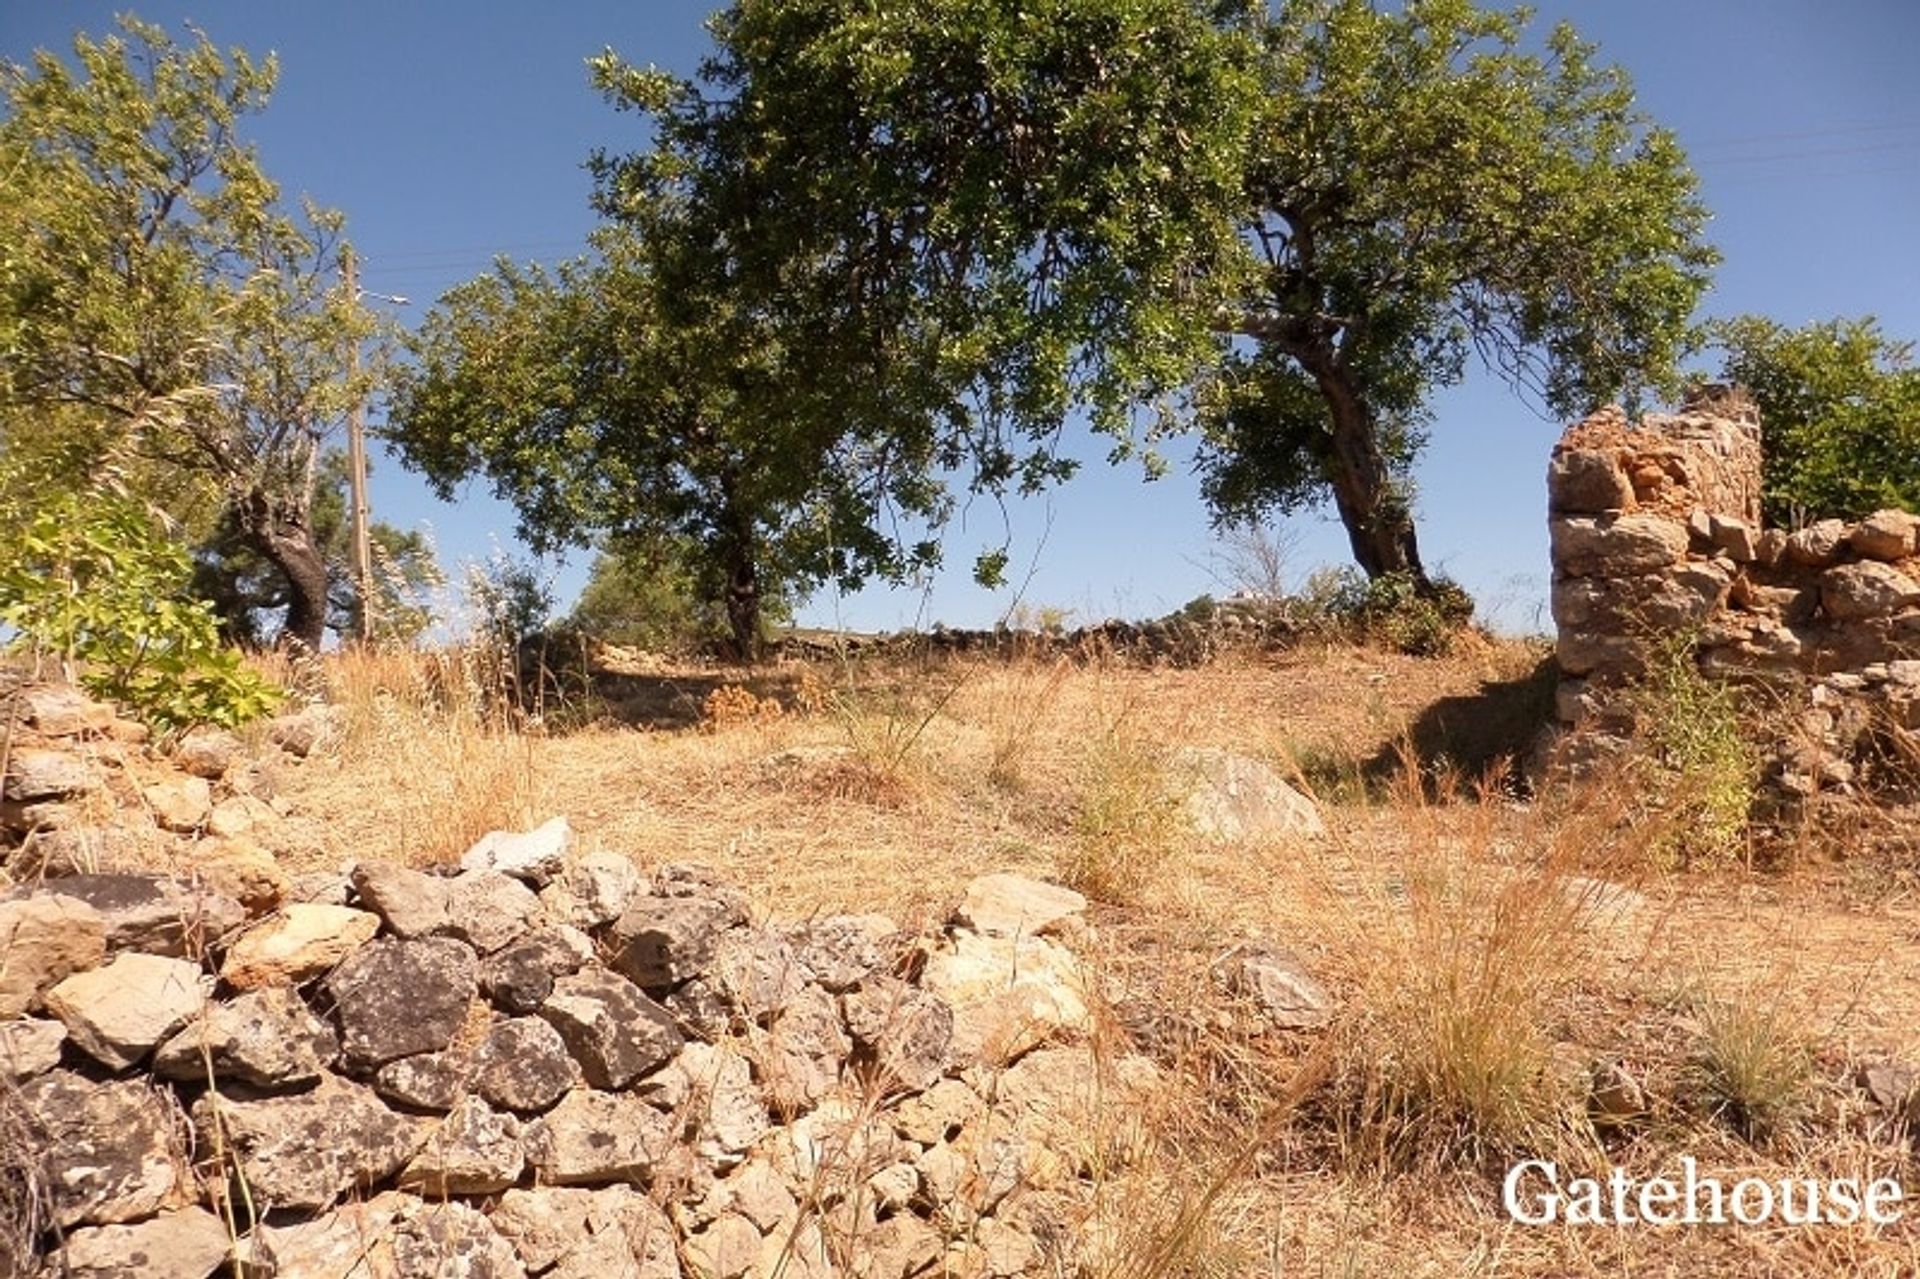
(540, 1062)
(1656, 530)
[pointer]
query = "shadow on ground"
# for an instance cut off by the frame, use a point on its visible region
(1474, 736)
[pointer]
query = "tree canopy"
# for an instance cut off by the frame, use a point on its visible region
(169, 325)
(1839, 412)
(1286, 225)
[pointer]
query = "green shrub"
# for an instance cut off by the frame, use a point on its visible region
(90, 580)
(1393, 611)
(1705, 770)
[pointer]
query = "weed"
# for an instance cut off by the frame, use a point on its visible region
(1126, 817)
(1754, 1063)
(1704, 769)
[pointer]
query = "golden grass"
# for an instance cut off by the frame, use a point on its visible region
(1475, 945)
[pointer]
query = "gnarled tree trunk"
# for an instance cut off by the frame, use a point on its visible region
(1379, 525)
(280, 531)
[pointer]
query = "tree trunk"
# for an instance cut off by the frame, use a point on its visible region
(743, 576)
(279, 530)
(1379, 524)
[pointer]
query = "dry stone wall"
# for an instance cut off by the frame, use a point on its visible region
(1656, 532)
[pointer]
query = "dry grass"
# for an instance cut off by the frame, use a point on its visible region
(1483, 952)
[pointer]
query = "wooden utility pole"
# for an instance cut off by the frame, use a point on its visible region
(357, 475)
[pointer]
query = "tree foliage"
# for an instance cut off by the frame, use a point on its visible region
(166, 321)
(1287, 225)
(1839, 412)
(602, 412)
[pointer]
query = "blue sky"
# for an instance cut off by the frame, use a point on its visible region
(452, 132)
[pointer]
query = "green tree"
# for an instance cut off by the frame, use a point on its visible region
(656, 595)
(599, 414)
(171, 323)
(1839, 414)
(1285, 224)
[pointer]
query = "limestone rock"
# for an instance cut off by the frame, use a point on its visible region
(106, 1150)
(182, 804)
(304, 940)
(1867, 589)
(267, 1039)
(34, 774)
(903, 1035)
(1586, 482)
(1616, 545)
(727, 1249)
(542, 1225)
(187, 1244)
(899, 1247)
(1228, 798)
(724, 1109)
(523, 1065)
(1272, 979)
(627, 1236)
(611, 1027)
(755, 971)
(838, 952)
(1739, 539)
(475, 1150)
(411, 903)
(801, 1055)
(1008, 994)
(398, 997)
(77, 850)
(352, 1242)
(45, 938)
(1886, 535)
(241, 815)
(120, 1013)
(534, 856)
(426, 1081)
(592, 1138)
(206, 751)
(593, 890)
(28, 1047)
(313, 728)
(758, 1193)
(60, 710)
(237, 867)
(487, 910)
(306, 1150)
(1817, 545)
(1007, 905)
(155, 913)
(452, 1241)
(520, 978)
(938, 1114)
(659, 941)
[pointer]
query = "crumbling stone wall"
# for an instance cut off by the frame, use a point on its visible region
(1656, 531)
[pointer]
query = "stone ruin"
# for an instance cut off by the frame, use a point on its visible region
(1657, 531)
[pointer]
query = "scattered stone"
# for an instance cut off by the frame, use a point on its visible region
(1892, 1085)
(411, 904)
(487, 910)
(106, 1149)
(1849, 592)
(1739, 539)
(534, 856)
(723, 1108)
(627, 1236)
(727, 1249)
(186, 1244)
(268, 1039)
(314, 728)
(34, 774)
(899, 1247)
(523, 1065)
(612, 1029)
(452, 1241)
(29, 1047)
(1009, 905)
(77, 850)
(800, 1056)
(592, 1138)
(520, 978)
(308, 1149)
(592, 891)
(1228, 798)
(206, 751)
(543, 1225)
(182, 804)
(427, 1081)
(1008, 995)
(1272, 978)
(473, 1151)
(758, 1193)
(902, 1034)
(1615, 1096)
(938, 1114)
(399, 997)
(239, 868)
(1887, 535)
(1817, 545)
(839, 952)
(240, 815)
(351, 1242)
(118, 1014)
(60, 710)
(304, 940)
(155, 913)
(45, 938)
(660, 941)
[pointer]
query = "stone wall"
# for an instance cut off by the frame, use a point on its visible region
(1657, 532)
